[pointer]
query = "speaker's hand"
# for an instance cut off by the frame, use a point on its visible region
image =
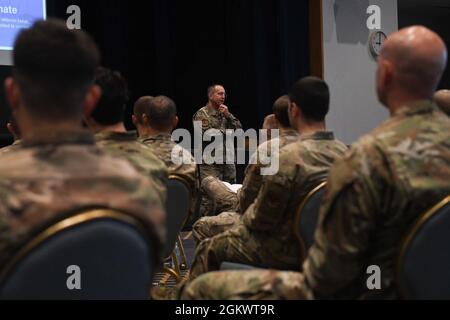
(224, 110)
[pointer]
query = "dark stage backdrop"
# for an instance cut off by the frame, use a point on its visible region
(432, 14)
(256, 48)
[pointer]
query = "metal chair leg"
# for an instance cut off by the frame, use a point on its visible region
(173, 271)
(176, 264)
(183, 265)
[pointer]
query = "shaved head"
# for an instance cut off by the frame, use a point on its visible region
(442, 99)
(141, 107)
(270, 122)
(281, 111)
(410, 65)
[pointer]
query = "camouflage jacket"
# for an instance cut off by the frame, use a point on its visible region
(58, 173)
(253, 178)
(302, 166)
(142, 157)
(375, 193)
(213, 119)
(163, 146)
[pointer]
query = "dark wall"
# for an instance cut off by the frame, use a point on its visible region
(5, 138)
(433, 14)
(256, 48)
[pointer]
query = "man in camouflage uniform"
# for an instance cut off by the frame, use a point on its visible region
(215, 115)
(155, 119)
(107, 123)
(265, 235)
(442, 99)
(58, 170)
(375, 194)
(231, 204)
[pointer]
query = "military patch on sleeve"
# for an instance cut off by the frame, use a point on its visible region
(205, 123)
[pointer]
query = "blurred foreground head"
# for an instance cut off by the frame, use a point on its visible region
(53, 74)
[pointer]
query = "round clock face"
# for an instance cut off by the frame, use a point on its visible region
(376, 41)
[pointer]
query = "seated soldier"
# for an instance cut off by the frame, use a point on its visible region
(231, 204)
(57, 169)
(155, 119)
(442, 99)
(106, 121)
(375, 194)
(265, 236)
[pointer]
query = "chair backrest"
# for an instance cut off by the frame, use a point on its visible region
(423, 268)
(307, 217)
(177, 210)
(97, 254)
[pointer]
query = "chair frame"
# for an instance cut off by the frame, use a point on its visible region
(183, 180)
(298, 217)
(178, 266)
(425, 217)
(297, 220)
(84, 216)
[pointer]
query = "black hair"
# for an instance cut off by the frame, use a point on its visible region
(312, 96)
(53, 68)
(110, 109)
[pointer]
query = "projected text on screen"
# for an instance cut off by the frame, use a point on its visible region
(16, 15)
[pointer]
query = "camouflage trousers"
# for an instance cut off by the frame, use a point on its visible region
(208, 227)
(255, 284)
(241, 245)
(221, 172)
(224, 172)
(225, 200)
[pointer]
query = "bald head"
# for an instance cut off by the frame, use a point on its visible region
(281, 111)
(442, 99)
(141, 107)
(270, 122)
(159, 113)
(411, 63)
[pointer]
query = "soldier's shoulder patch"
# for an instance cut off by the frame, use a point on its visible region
(200, 114)
(205, 123)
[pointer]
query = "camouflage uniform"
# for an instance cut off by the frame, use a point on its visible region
(266, 237)
(53, 175)
(245, 285)
(125, 145)
(163, 147)
(213, 119)
(232, 205)
(15, 146)
(375, 194)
